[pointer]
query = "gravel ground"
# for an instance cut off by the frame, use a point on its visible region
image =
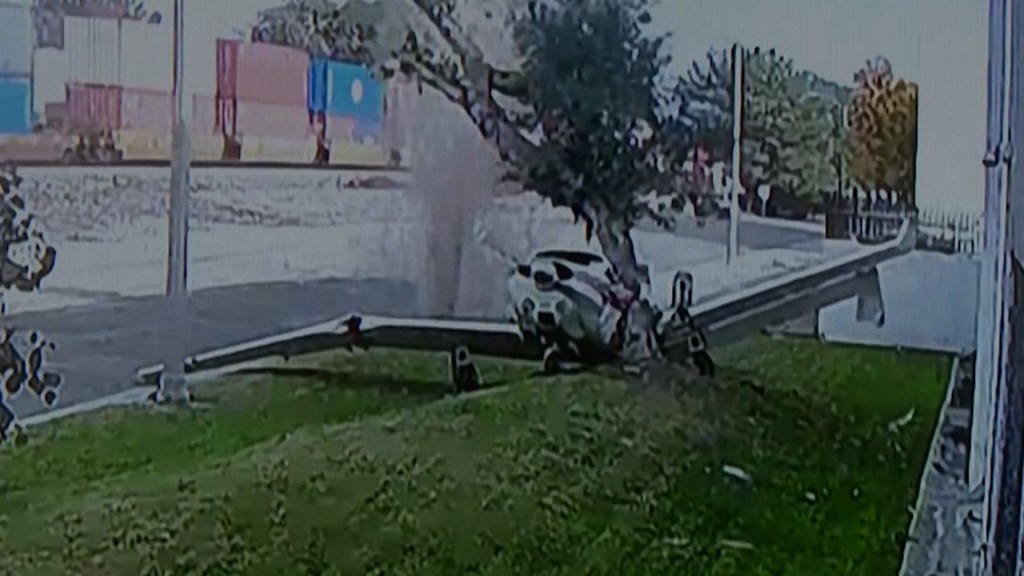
(111, 205)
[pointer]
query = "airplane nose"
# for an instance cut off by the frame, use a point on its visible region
(546, 319)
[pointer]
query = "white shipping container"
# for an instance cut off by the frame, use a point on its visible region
(147, 55)
(49, 76)
(94, 50)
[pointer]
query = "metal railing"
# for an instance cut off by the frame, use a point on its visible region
(952, 232)
(949, 232)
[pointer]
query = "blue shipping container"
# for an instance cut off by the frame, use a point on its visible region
(15, 105)
(15, 38)
(316, 86)
(354, 93)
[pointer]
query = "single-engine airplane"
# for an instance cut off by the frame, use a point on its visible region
(566, 307)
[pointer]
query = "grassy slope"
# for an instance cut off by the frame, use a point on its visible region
(578, 475)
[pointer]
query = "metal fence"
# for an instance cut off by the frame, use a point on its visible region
(954, 233)
(951, 232)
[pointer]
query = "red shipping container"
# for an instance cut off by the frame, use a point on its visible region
(270, 74)
(93, 107)
(272, 121)
(227, 68)
(146, 110)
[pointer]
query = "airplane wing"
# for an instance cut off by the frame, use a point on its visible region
(723, 320)
(486, 338)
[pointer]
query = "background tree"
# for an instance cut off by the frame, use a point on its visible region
(790, 124)
(704, 95)
(806, 164)
(883, 125)
(590, 75)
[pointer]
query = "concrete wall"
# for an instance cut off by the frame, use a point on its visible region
(931, 303)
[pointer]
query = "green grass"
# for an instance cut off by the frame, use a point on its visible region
(346, 460)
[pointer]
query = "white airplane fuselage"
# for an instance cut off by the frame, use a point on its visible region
(566, 302)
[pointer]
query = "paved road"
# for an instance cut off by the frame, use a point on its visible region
(755, 235)
(101, 346)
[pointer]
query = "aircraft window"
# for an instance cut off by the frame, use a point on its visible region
(581, 258)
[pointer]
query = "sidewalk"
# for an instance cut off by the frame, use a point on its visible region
(804, 225)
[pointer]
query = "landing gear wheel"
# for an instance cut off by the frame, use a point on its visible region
(704, 363)
(552, 361)
(49, 398)
(465, 376)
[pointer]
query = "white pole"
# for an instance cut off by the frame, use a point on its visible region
(173, 387)
(737, 144)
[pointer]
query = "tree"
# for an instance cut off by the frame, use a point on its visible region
(705, 103)
(808, 150)
(883, 122)
(789, 123)
(571, 103)
(602, 138)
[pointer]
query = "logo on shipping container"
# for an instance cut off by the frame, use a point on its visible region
(357, 91)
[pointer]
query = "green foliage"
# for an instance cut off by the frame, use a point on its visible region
(705, 103)
(590, 76)
(792, 134)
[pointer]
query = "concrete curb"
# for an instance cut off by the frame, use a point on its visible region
(133, 396)
(936, 540)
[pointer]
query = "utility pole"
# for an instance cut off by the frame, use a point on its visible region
(737, 144)
(173, 386)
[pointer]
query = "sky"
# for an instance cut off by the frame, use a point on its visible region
(831, 38)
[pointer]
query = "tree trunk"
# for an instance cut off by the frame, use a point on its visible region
(617, 245)
(638, 332)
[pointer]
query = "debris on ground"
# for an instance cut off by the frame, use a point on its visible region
(676, 542)
(737, 473)
(900, 423)
(374, 183)
(737, 545)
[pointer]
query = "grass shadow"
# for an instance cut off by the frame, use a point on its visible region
(355, 381)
